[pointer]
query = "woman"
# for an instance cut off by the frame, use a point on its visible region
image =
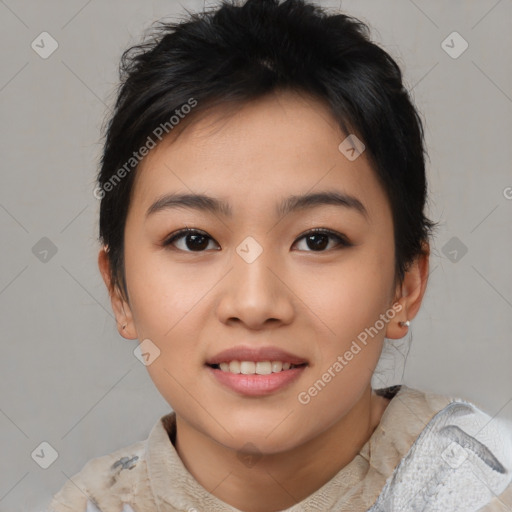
(263, 233)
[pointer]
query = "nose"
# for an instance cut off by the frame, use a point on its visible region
(256, 293)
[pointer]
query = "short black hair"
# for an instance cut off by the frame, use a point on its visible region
(236, 53)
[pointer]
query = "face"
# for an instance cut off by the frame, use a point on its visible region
(299, 286)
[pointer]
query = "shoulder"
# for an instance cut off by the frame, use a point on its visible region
(100, 480)
(109, 483)
(460, 461)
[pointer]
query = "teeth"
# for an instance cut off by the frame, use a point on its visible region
(263, 368)
(247, 367)
(251, 368)
(277, 366)
(234, 367)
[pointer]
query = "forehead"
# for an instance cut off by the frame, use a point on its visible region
(276, 146)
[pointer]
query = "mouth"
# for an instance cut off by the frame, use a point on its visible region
(255, 367)
(253, 372)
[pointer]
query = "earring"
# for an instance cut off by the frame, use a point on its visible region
(124, 326)
(404, 324)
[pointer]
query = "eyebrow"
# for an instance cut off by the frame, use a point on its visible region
(205, 203)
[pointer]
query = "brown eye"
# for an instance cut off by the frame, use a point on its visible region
(191, 240)
(318, 239)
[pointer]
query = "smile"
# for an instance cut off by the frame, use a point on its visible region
(255, 368)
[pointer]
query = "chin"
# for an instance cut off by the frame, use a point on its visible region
(268, 437)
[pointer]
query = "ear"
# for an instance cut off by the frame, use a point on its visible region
(120, 306)
(409, 294)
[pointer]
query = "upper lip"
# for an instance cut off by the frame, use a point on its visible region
(246, 353)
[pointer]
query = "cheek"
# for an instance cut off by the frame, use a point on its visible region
(164, 299)
(350, 296)
(349, 300)
(161, 293)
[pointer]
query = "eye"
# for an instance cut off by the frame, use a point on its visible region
(194, 240)
(317, 239)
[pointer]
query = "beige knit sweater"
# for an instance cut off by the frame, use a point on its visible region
(149, 475)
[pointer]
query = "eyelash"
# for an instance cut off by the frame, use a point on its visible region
(342, 240)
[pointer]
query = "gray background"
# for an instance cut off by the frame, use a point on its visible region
(69, 379)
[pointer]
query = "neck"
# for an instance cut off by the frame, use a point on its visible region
(277, 481)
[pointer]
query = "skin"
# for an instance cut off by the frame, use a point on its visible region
(313, 303)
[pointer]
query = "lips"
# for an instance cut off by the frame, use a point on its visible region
(255, 372)
(255, 354)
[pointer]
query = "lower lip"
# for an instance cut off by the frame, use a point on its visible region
(256, 385)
